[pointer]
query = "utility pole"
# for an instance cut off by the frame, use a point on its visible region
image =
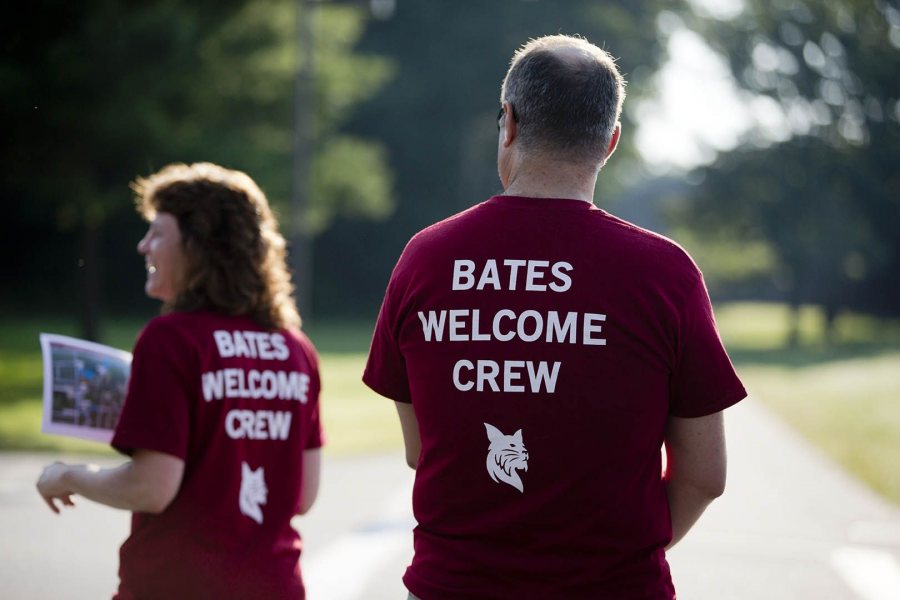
(304, 151)
(304, 143)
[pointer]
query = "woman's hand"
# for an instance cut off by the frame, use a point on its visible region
(52, 486)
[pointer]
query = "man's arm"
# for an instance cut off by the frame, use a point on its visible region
(695, 469)
(146, 483)
(410, 428)
(312, 468)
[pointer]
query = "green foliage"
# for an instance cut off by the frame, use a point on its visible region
(726, 260)
(101, 92)
(799, 199)
(98, 92)
(344, 79)
(826, 197)
(351, 174)
(831, 64)
(438, 118)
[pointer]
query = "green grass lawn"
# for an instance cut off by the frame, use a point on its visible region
(845, 399)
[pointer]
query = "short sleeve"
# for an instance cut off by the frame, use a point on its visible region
(315, 435)
(385, 369)
(156, 412)
(703, 379)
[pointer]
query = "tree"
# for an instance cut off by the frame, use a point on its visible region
(99, 92)
(438, 118)
(824, 191)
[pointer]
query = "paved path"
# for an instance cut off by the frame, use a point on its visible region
(791, 526)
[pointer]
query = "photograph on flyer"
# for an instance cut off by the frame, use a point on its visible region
(84, 387)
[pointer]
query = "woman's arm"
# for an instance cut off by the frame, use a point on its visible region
(312, 468)
(146, 483)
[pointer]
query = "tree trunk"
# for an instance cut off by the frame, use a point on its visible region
(89, 280)
(793, 339)
(830, 312)
(304, 152)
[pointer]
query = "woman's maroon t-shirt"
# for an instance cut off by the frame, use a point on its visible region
(239, 404)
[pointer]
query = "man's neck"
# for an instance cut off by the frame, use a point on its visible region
(552, 180)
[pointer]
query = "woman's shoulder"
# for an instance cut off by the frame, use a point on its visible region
(304, 343)
(178, 328)
(166, 325)
(163, 333)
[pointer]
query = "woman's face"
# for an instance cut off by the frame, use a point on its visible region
(165, 258)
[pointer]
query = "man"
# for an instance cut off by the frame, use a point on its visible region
(540, 353)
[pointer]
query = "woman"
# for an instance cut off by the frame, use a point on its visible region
(221, 419)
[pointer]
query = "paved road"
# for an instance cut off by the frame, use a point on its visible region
(790, 527)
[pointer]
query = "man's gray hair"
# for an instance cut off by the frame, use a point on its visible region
(566, 95)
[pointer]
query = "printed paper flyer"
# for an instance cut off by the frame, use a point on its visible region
(84, 387)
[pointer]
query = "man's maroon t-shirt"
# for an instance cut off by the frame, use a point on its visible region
(239, 404)
(543, 344)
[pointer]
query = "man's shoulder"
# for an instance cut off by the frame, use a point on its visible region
(655, 246)
(647, 236)
(444, 228)
(439, 237)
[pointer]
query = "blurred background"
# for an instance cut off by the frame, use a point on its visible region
(764, 136)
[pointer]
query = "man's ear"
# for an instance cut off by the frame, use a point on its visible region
(613, 141)
(510, 127)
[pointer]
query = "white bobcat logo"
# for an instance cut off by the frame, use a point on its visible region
(253, 492)
(506, 455)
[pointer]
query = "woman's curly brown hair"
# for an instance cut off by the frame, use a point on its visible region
(235, 254)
